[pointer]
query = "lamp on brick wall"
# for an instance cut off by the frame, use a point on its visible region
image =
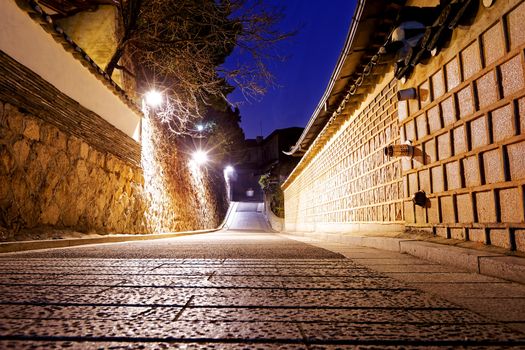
(403, 150)
(420, 198)
(407, 94)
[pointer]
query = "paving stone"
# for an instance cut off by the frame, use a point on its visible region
(160, 330)
(447, 316)
(7, 290)
(130, 298)
(326, 272)
(85, 270)
(475, 290)
(440, 277)
(517, 326)
(369, 298)
(85, 303)
(10, 326)
(413, 268)
(90, 345)
(82, 312)
(386, 261)
(333, 298)
(11, 281)
(240, 293)
(312, 315)
(427, 333)
(501, 309)
(405, 347)
(344, 283)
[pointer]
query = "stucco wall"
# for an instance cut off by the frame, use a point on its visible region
(469, 122)
(350, 185)
(28, 43)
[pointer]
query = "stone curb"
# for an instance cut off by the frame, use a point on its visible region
(11, 247)
(507, 267)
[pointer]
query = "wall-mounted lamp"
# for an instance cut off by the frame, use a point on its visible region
(404, 150)
(420, 198)
(407, 94)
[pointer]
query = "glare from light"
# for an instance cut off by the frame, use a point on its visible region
(228, 169)
(200, 157)
(153, 98)
(200, 127)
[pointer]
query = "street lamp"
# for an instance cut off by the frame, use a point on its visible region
(229, 176)
(200, 127)
(153, 98)
(200, 157)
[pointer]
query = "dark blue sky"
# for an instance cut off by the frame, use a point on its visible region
(303, 77)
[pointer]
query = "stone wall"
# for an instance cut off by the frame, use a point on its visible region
(350, 185)
(469, 123)
(50, 179)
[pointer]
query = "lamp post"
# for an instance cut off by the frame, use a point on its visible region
(229, 172)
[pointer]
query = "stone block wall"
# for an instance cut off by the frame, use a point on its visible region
(350, 185)
(50, 179)
(469, 123)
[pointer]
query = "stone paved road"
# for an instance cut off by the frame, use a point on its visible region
(211, 294)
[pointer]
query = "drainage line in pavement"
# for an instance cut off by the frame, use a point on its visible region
(109, 287)
(376, 342)
(269, 307)
(183, 308)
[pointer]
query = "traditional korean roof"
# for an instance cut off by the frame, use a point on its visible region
(64, 8)
(359, 59)
(37, 13)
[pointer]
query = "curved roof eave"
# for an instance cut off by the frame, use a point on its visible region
(306, 137)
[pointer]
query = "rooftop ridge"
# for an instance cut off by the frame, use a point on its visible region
(35, 11)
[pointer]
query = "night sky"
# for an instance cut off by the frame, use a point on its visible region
(303, 77)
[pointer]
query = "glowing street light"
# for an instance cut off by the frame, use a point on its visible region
(200, 127)
(153, 98)
(228, 169)
(200, 157)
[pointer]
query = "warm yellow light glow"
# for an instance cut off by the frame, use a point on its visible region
(199, 157)
(153, 98)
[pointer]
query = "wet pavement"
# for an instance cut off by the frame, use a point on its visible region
(248, 290)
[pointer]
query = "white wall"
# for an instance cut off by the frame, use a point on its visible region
(26, 41)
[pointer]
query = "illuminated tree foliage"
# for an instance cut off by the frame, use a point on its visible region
(181, 45)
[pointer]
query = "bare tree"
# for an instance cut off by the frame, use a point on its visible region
(181, 45)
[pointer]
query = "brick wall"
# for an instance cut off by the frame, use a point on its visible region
(469, 124)
(468, 129)
(350, 185)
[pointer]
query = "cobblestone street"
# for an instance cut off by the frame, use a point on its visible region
(77, 299)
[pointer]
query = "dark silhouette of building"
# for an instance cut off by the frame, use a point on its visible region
(263, 156)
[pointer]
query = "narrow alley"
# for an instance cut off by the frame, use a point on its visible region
(247, 287)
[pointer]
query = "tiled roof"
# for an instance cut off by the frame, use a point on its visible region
(36, 12)
(371, 25)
